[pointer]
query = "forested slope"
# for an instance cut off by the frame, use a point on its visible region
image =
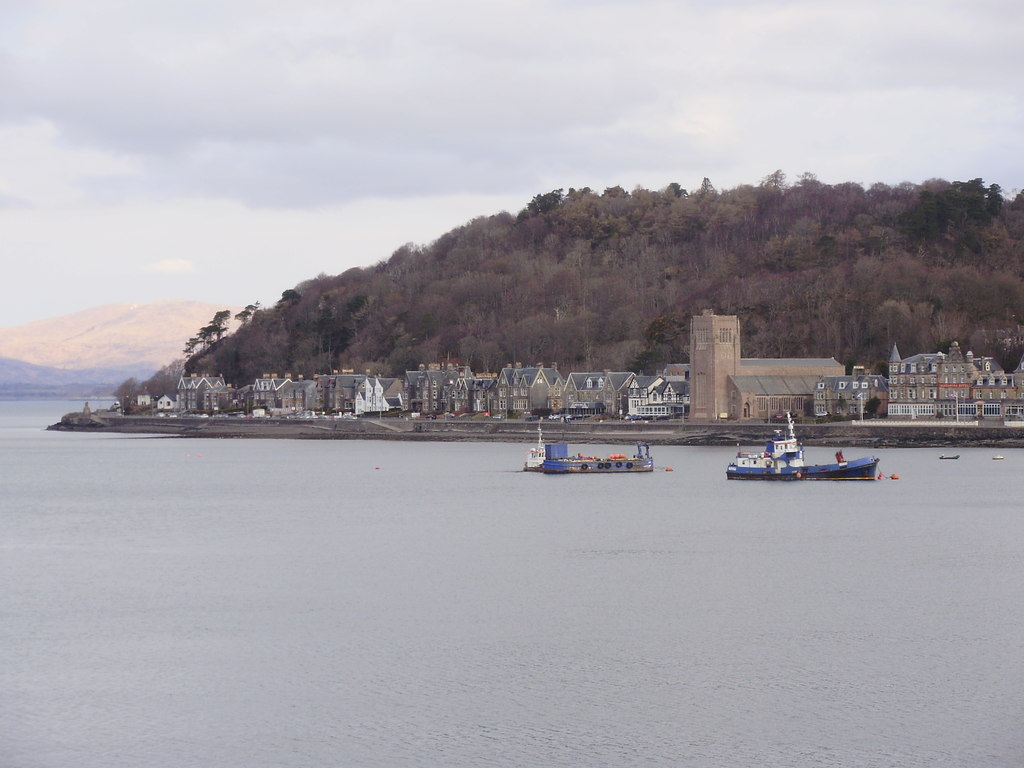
(608, 280)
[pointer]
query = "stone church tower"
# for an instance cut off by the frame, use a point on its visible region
(714, 357)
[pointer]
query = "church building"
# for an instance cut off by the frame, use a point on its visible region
(725, 385)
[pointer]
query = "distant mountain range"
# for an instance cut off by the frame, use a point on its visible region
(91, 352)
(20, 380)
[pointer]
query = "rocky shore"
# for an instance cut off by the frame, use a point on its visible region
(878, 434)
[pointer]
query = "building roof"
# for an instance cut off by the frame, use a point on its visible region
(527, 376)
(199, 381)
(776, 385)
(677, 369)
(788, 362)
(925, 357)
(617, 379)
(874, 381)
(643, 382)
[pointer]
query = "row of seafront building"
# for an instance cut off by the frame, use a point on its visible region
(954, 385)
(717, 384)
(448, 389)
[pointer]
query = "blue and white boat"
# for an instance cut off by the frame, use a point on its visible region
(783, 459)
(557, 461)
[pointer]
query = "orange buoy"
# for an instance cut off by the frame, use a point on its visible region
(668, 469)
(894, 477)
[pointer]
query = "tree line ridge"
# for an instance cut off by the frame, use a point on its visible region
(608, 281)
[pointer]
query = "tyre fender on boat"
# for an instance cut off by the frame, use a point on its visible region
(584, 467)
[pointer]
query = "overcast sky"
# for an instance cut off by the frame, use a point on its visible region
(225, 150)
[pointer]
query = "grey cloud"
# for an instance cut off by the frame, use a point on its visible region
(262, 106)
(12, 202)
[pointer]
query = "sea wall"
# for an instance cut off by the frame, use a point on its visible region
(880, 434)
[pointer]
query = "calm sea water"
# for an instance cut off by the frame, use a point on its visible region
(171, 602)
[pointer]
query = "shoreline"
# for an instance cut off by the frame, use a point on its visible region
(877, 434)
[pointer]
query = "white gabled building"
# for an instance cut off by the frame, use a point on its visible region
(192, 388)
(268, 390)
(658, 396)
(377, 395)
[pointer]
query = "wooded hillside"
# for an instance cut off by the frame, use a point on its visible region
(608, 280)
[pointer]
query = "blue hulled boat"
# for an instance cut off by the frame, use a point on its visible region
(557, 461)
(783, 459)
